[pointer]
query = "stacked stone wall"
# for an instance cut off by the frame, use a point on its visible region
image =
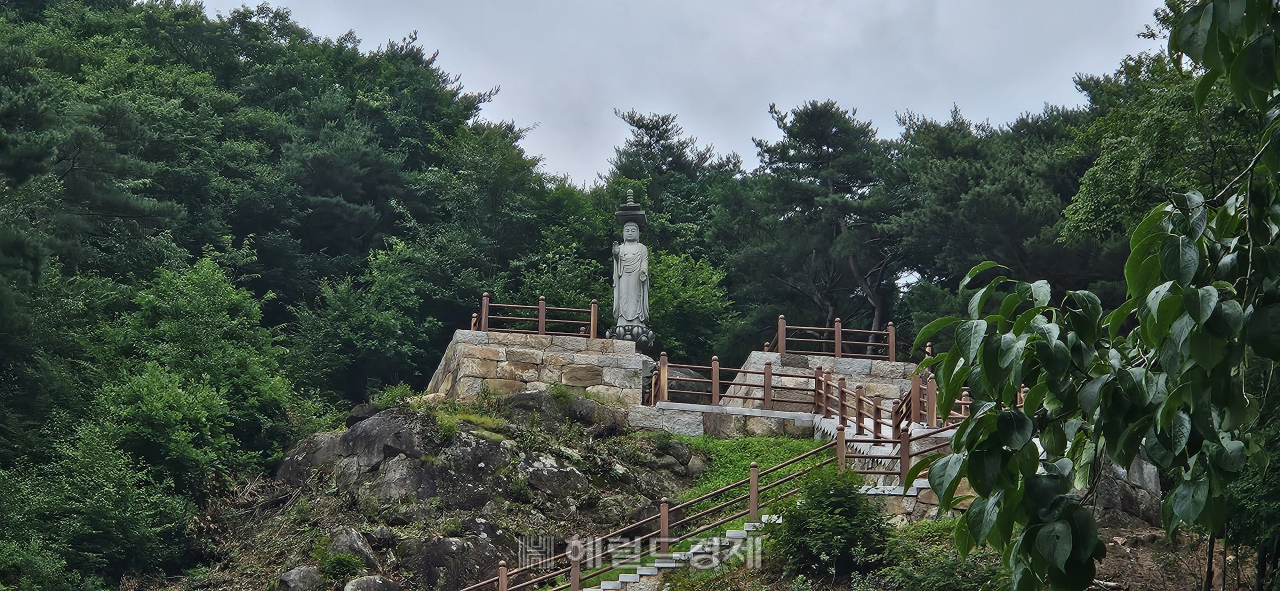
(507, 363)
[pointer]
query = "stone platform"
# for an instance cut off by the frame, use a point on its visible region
(506, 363)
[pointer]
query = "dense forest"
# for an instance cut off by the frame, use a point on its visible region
(217, 234)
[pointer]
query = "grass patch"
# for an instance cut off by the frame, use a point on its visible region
(730, 460)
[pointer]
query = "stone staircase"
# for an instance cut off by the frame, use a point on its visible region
(705, 554)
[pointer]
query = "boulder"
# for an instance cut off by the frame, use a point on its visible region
(695, 467)
(401, 480)
(548, 476)
(316, 451)
(346, 540)
(675, 382)
(303, 578)
(448, 563)
(386, 435)
(680, 452)
(590, 412)
(469, 472)
(383, 537)
(361, 412)
(373, 583)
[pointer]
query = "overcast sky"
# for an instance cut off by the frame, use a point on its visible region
(565, 65)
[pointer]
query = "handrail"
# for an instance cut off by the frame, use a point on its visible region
(837, 341)
(588, 328)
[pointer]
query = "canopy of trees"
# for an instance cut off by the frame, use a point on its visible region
(216, 234)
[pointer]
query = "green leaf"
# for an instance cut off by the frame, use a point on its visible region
(978, 268)
(1156, 296)
(1264, 331)
(1054, 439)
(1227, 319)
(1260, 62)
(1054, 543)
(944, 475)
(963, 541)
(1204, 86)
(1085, 531)
(1040, 293)
(1200, 302)
(969, 338)
(931, 329)
(1015, 428)
(1189, 499)
(1115, 320)
(981, 515)
(921, 465)
(1179, 259)
(1207, 350)
(984, 469)
(1180, 431)
(1091, 392)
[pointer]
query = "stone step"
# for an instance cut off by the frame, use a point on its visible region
(680, 555)
(629, 578)
(664, 563)
(753, 526)
(736, 534)
(771, 519)
(646, 570)
(610, 586)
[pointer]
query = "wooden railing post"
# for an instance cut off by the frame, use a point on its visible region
(877, 411)
(484, 312)
(840, 388)
(931, 403)
(904, 456)
(575, 564)
(893, 343)
(782, 334)
(842, 448)
(715, 380)
(817, 390)
(928, 349)
(839, 333)
(826, 396)
(502, 575)
(753, 496)
(860, 410)
(595, 315)
(664, 525)
(964, 395)
(767, 403)
(542, 315)
(662, 377)
(475, 321)
(917, 394)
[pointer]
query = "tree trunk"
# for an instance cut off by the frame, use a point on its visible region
(1260, 569)
(1208, 567)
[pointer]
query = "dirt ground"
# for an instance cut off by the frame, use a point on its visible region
(1140, 559)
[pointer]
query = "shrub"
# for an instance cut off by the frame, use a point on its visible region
(341, 566)
(834, 529)
(391, 396)
(922, 558)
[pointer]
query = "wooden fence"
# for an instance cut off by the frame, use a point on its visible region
(835, 341)
(535, 320)
(672, 528)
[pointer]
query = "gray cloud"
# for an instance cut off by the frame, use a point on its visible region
(566, 64)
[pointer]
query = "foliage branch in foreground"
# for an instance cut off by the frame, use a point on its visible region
(1162, 373)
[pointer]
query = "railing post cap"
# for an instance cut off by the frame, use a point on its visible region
(542, 298)
(474, 314)
(755, 465)
(769, 363)
(502, 564)
(485, 294)
(890, 323)
(664, 500)
(781, 317)
(715, 358)
(840, 428)
(593, 301)
(664, 354)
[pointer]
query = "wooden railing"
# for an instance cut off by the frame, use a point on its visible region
(835, 341)
(535, 317)
(667, 533)
(723, 380)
